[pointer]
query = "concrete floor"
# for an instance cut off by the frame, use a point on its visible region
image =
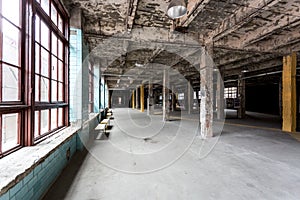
(245, 162)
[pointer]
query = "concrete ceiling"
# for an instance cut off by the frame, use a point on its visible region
(252, 34)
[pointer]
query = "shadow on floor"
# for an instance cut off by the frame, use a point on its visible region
(62, 185)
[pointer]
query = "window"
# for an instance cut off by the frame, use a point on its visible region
(10, 76)
(230, 92)
(180, 96)
(45, 108)
(50, 68)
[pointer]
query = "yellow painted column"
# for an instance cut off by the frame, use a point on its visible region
(133, 100)
(289, 93)
(142, 99)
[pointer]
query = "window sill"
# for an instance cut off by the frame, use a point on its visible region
(17, 165)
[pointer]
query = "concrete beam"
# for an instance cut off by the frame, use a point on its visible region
(131, 12)
(283, 40)
(241, 17)
(289, 109)
(194, 7)
(286, 21)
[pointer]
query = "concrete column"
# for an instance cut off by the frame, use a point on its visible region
(190, 98)
(289, 93)
(198, 100)
(110, 98)
(142, 98)
(150, 107)
(173, 99)
(166, 107)
(132, 100)
(206, 87)
(220, 96)
(137, 98)
(241, 112)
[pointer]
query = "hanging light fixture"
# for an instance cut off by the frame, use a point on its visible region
(176, 9)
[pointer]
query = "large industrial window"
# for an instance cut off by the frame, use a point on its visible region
(11, 109)
(50, 67)
(27, 115)
(230, 92)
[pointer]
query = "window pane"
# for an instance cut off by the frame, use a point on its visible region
(54, 68)
(54, 44)
(10, 130)
(60, 92)
(37, 29)
(44, 89)
(60, 23)
(36, 124)
(37, 88)
(61, 71)
(10, 84)
(54, 91)
(10, 43)
(11, 10)
(44, 121)
(45, 5)
(44, 35)
(60, 116)
(37, 58)
(54, 14)
(53, 119)
(60, 49)
(45, 62)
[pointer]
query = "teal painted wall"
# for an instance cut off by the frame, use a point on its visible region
(37, 182)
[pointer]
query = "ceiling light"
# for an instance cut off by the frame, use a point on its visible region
(176, 9)
(244, 70)
(139, 65)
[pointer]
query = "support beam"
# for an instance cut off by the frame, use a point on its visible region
(194, 7)
(190, 98)
(150, 107)
(137, 98)
(241, 17)
(131, 12)
(206, 87)
(133, 100)
(173, 99)
(110, 98)
(265, 31)
(220, 96)
(142, 98)
(166, 106)
(289, 93)
(241, 112)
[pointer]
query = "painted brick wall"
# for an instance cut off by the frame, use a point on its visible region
(37, 182)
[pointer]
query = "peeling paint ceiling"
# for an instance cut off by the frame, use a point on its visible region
(244, 33)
